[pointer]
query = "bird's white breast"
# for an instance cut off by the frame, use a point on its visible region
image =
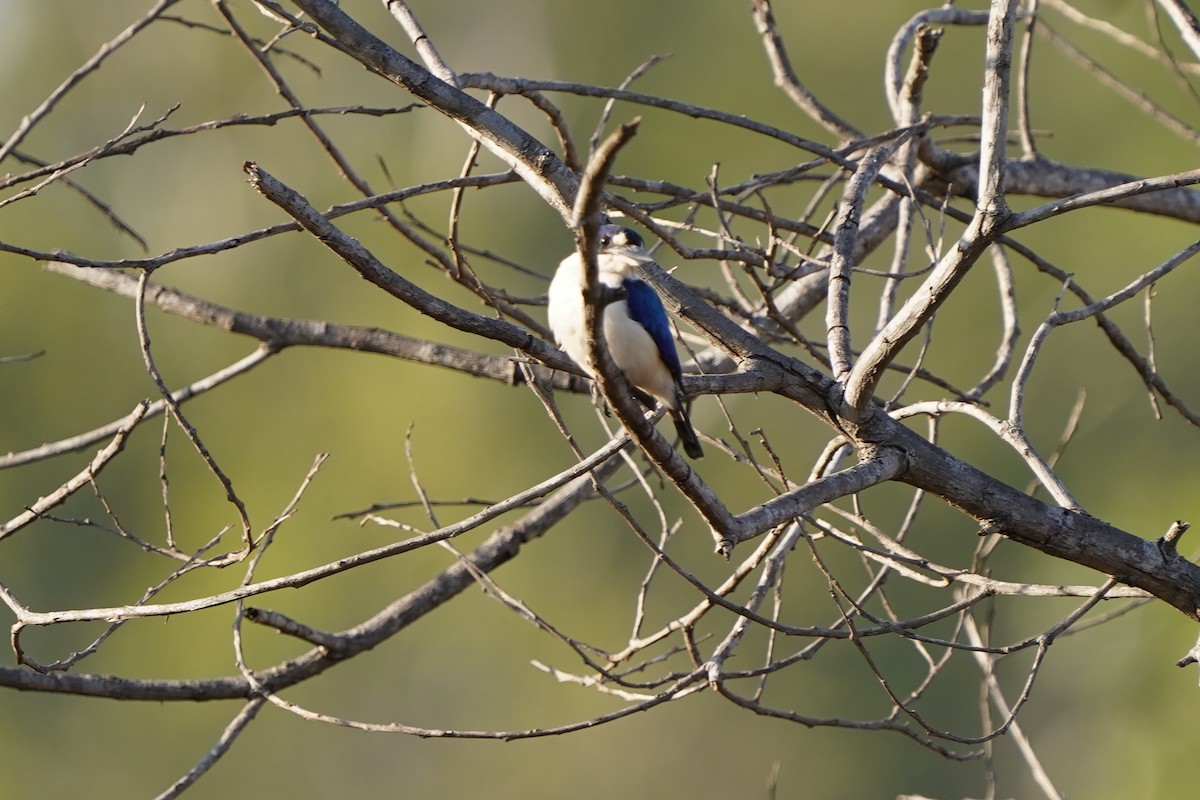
(631, 347)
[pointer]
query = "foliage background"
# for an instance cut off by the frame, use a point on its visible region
(1111, 716)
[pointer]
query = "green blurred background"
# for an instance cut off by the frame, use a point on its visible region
(1110, 716)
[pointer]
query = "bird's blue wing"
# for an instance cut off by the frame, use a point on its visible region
(646, 309)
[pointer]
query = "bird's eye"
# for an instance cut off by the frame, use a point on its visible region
(605, 241)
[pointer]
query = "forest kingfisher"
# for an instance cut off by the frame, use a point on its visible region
(636, 327)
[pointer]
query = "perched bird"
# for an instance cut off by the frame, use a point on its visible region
(636, 327)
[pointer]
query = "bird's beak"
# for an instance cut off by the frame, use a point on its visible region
(638, 254)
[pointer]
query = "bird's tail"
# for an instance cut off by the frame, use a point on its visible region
(683, 425)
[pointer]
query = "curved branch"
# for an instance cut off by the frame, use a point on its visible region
(786, 78)
(524, 154)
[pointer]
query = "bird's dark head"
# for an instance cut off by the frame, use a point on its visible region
(617, 238)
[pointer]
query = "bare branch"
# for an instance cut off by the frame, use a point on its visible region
(524, 154)
(374, 271)
(220, 748)
(31, 120)
(1186, 23)
(277, 333)
(879, 538)
(81, 479)
(785, 75)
